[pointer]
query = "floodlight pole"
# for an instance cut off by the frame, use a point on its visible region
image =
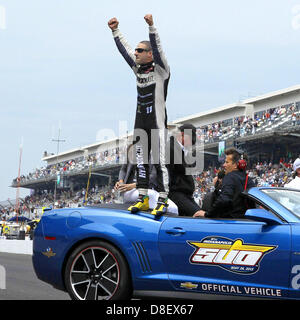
(19, 182)
(58, 140)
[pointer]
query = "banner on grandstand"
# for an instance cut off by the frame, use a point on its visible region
(221, 155)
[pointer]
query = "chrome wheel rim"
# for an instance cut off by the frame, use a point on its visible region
(94, 274)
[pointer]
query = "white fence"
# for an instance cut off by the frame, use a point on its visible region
(16, 246)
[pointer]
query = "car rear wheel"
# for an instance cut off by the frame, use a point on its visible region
(96, 270)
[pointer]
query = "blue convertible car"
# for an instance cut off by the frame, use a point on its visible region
(107, 252)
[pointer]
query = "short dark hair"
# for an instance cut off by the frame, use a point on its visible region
(147, 43)
(236, 154)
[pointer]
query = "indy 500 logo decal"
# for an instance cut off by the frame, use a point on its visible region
(233, 255)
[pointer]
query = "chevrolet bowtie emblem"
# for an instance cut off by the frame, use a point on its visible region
(49, 253)
(189, 285)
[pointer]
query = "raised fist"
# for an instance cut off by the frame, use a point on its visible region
(113, 23)
(149, 19)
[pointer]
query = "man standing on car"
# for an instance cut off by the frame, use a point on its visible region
(230, 203)
(152, 73)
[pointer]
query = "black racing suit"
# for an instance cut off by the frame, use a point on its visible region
(152, 83)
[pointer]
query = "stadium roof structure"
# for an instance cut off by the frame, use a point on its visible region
(248, 103)
(222, 109)
(82, 149)
(273, 94)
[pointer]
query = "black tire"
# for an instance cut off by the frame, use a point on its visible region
(96, 270)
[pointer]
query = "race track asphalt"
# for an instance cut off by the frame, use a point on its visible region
(21, 282)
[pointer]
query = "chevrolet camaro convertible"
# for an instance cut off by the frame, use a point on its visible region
(106, 252)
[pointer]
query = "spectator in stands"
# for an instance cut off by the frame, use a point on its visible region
(230, 203)
(294, 118)
(295, 183)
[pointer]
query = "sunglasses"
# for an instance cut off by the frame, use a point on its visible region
(140, 50)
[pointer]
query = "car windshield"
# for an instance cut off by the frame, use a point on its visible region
(288, 198)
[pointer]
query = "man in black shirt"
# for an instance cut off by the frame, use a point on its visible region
(230, 203)
(182, 184)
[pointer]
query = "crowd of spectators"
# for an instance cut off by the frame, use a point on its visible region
(245, 125)
(63, 199)
(103, 158)
(264, 173)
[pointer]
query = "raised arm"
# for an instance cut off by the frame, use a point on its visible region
(122, 45)
(158, 54)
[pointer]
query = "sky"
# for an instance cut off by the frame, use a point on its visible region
(59, 67)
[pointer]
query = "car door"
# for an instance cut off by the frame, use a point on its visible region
(225, 256)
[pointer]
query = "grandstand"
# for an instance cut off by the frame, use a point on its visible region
(267, 127)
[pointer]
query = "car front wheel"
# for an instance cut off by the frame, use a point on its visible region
(96, 270)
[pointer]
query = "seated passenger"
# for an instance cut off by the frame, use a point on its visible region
(181, 184)
(230, 203)
(126, 183)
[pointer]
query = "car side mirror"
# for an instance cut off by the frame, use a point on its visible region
(262, 215)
